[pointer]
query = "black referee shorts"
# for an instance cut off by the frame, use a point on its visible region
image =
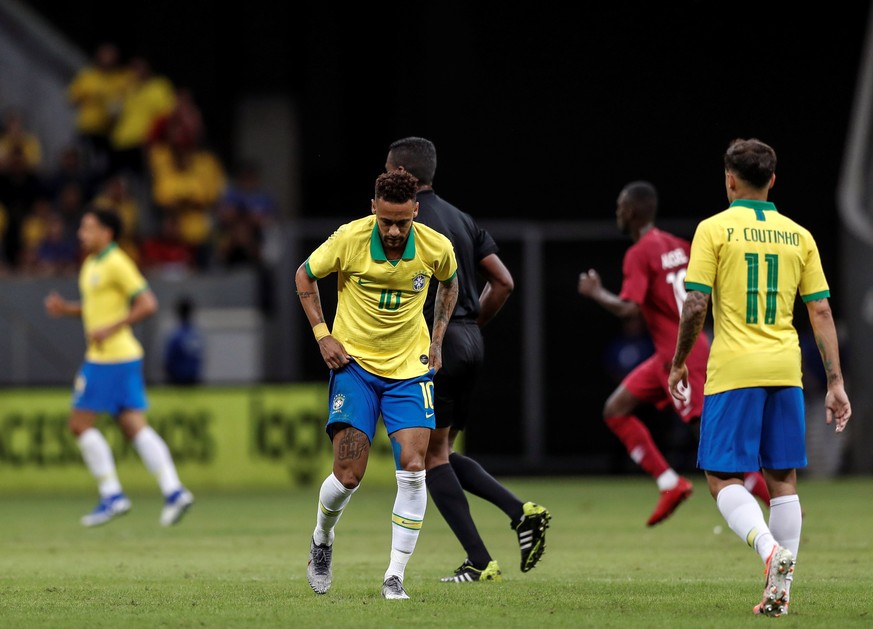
(455, 382)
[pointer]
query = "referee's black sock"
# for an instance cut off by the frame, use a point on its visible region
(448, 495)
(477, 481)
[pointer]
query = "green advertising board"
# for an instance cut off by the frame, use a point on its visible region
(221, 438)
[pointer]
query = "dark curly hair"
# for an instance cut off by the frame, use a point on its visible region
(396, 186)
(751, 160)
(108, 219)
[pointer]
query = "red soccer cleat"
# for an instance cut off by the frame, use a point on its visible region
(669, 500)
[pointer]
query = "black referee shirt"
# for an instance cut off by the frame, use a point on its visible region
(471, 243)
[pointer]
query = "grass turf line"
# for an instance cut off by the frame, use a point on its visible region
(239, 560)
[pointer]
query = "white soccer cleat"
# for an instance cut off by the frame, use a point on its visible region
(393, 589)
(779, 574)
(107, 509)
(175, 506)
(318, 571)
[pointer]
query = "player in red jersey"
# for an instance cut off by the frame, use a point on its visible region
(653, 287)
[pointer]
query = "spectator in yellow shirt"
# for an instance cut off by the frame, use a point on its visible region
(16, 139)
(96, 93)
(188, 180)
(148, 98)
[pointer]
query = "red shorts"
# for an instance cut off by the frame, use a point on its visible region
(648, 382)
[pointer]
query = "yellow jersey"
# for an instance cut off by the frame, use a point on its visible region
(754, 262)
(379, 317)
(108, 281)
(97, 95)
(143, 104)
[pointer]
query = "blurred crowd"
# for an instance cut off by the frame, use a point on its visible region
(139, 148)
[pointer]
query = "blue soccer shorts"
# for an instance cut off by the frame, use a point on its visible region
(744, 430)
(110, 387)
(359, 398)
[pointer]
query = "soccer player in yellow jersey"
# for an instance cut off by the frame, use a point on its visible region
(114, 296)
(752, 262)
(382, 360)
(484, 285)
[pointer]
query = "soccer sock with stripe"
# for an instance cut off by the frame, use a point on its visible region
(640, 446)
(745, 518)
(100, 462)
(786, 519)
(406, 520)
(332, 499)
(477, 481)
(156, 455)
(449, 498)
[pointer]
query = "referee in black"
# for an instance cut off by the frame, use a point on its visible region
(450, 473)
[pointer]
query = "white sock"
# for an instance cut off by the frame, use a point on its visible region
(332, 499)
(98, 457)
(785, 521)
(409, 507)
(156, 455)
(667, 480)
(745, 518)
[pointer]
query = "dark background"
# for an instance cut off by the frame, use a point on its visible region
(538, 113)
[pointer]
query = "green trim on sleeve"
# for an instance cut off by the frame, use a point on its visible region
(139, 292)
(309, 271)
(449, 281)
(702, 288)
(822, 294)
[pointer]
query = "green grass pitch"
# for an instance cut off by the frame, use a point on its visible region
(239, 560)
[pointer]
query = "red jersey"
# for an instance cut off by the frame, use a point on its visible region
(654, 279)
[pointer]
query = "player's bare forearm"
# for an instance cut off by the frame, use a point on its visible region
(825, 332)
(490, 304)
(498, 286)
(616, 305)
(144, 305)
(838, 409)
(72, 309)
(444, 306)
(591, 286)
(332, 351)
(690, 324)
(57, 306)
(310, 299)
(435, 356)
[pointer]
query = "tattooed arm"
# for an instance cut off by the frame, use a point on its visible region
(837, 406)
(690, 325)
(444, 306)
(332, 350)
